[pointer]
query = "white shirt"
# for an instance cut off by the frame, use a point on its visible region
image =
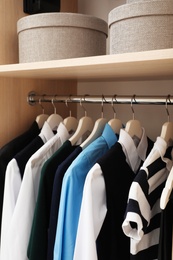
(21, 222)
(93, 207)
(12, 186)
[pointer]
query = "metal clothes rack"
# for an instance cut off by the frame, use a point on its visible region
(34, 98)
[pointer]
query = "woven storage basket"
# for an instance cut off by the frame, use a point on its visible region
(51, 36)
(142, 26)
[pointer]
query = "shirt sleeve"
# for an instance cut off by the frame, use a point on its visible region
(11, 191)
(137, 214)
(92, 215)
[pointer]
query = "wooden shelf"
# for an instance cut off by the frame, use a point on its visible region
(157, 64)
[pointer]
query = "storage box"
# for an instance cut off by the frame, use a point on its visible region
(52, 36)
(141, 26)
(134, 1)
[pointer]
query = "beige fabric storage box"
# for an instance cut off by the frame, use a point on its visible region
(141, 26)
(134, 1)
(51, 36)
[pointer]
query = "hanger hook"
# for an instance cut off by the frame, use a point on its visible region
(52, 101)
(83, 105)
(40, 103)
(112, 104)
(103, 101)
(133, 112)
(66, 102)
(166, 105)
(102, 110)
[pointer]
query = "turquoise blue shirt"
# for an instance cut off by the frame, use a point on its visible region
(72, 190)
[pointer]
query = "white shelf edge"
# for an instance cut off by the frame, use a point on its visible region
(127, 65)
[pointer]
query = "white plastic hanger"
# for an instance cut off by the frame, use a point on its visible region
(167, 128)
(97, 130)
(167, 190)
(167, 135)
(133, 127)
(167, 131)
(54, 120)
(40, 119)
(115, 123)
(70, 122)
(85, 124)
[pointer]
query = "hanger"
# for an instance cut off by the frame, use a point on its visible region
(133, 127)
(85, 124)
(40, 119)
(167, 135)
(54, 120)
(70, 122)
(115, 123)
(167, 190)
(167, 128)
(97, 130)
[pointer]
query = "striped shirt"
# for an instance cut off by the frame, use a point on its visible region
(142, 217)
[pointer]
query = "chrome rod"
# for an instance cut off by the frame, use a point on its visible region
(34, 98)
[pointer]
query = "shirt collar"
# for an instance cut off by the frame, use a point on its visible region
(109, 135)
(46, 132)
(159, 149)
(63, 132)
(134, 154)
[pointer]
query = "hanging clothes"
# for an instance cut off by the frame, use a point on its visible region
(92, 214)
(38, 242)
(99, 203)
(119, 160)
(56, 194)
(119, 167)
(13, 180)
(23, 156)
(8, 151)
(20, 226)
(166, 232)
(71, 194)
(142, 218)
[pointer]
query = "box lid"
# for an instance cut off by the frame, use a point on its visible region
(137, 1)
(136, 9)
(62, 19)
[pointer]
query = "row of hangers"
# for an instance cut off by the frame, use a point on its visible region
(79, 128)
(86, 124)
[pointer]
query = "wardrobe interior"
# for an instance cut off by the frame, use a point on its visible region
(17, 115)
(151, 117)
